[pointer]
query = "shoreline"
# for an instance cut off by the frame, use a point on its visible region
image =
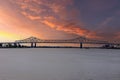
(56, 47)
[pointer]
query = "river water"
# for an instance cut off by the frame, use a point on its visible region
(59, 64)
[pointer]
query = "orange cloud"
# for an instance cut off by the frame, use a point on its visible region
(72, 28)
(50, 24)
(54, 13)
(31, 17)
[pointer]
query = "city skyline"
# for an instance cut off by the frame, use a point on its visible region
(59, 19)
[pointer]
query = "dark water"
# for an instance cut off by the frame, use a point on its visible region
(59, 64)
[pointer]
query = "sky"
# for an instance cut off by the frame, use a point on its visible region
(59, 19)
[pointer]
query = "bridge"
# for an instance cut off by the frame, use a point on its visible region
(79, 40)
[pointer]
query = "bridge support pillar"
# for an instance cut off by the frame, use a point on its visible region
(1, 45)
(35, 45)
(15, 45)
(32, 45)
(19, 45)
(81, 45)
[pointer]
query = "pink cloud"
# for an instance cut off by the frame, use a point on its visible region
(118, 36)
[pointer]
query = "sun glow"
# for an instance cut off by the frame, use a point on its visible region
(7, 37)
(11, 27)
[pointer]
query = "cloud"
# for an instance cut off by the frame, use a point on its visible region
(30, 16)
(118, 36)
(108, 29)
(101, 5)
(55, 14)
(72, 27)
(106, 21)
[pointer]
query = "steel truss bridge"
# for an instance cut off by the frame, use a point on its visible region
(80, 40)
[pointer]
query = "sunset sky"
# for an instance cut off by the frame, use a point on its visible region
(59, 19)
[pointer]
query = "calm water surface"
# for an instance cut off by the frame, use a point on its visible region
(59, 64)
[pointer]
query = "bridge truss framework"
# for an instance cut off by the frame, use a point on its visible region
(80, 40)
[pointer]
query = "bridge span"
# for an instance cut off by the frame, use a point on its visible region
(80, 40)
